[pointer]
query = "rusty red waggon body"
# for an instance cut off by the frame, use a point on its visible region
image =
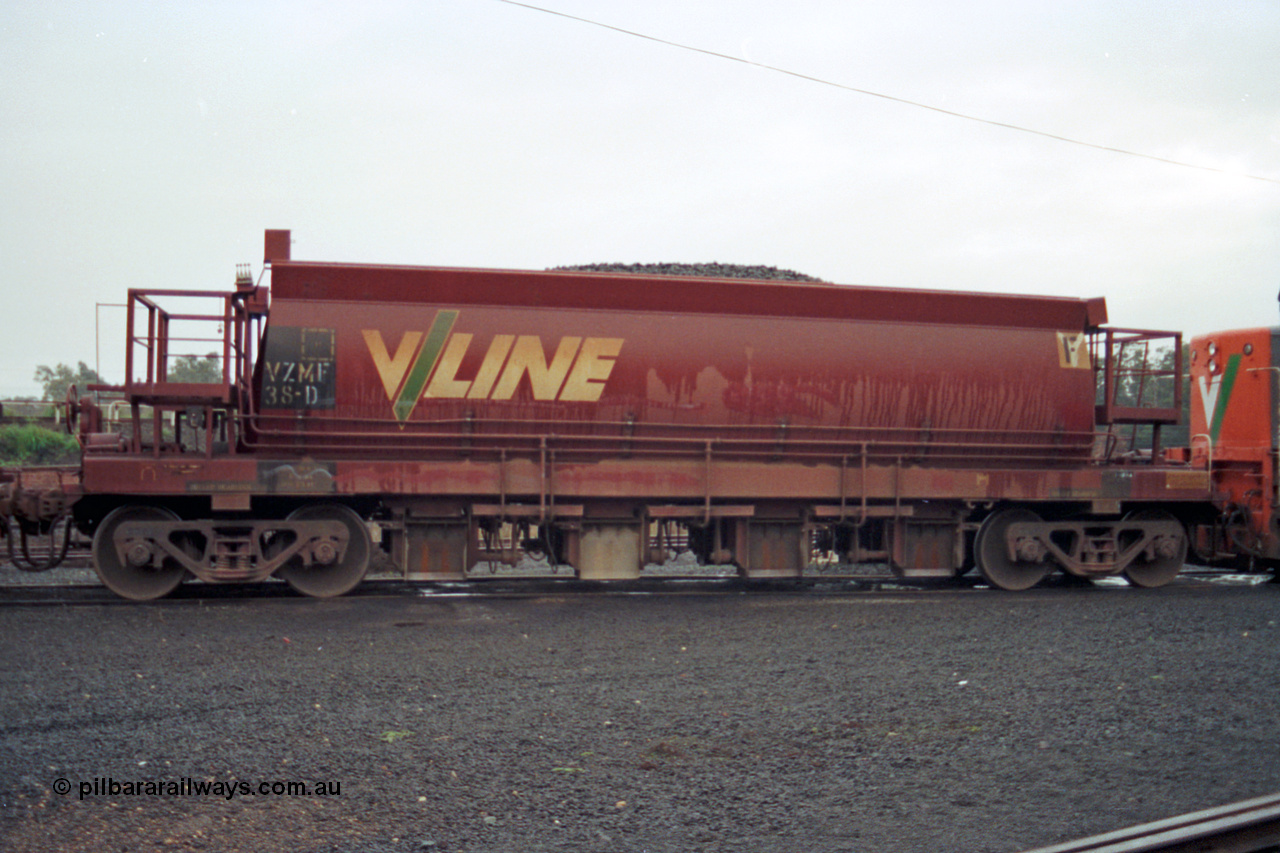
(602, 420)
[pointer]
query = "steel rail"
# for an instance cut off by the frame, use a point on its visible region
(1249, 826)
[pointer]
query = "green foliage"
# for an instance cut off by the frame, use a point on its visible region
(190, 368)
(56, 380)
(1145, 377)
(1148, 378)
(29, 444)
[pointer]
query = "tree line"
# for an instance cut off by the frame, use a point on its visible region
(55, 381)
(32, 444)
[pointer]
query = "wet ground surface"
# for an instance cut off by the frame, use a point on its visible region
(712, 717)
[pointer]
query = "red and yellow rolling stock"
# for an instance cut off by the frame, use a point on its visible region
(592, 416)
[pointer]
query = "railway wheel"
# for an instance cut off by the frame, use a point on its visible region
(1170, 554)
(992, 553)
(133, 568)
(333, 570)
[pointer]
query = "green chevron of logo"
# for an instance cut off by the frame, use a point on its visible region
(1224, 394)
(411, 392)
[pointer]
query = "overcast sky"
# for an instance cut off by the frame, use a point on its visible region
(150, 144)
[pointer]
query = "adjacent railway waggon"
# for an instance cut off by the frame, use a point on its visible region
(445, 420)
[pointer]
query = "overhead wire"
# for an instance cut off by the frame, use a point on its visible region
(894, 98)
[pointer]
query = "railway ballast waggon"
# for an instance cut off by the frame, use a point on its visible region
(442, 421)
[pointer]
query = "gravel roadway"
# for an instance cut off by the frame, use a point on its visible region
(895, 720)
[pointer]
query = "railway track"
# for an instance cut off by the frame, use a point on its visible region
(76, 583)
(84, 589)
(1249, 826)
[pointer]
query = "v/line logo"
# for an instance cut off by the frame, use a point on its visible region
(427, 364)
(1215, 391)
(1073, 350)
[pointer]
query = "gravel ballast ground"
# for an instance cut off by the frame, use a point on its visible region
(961, 720)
